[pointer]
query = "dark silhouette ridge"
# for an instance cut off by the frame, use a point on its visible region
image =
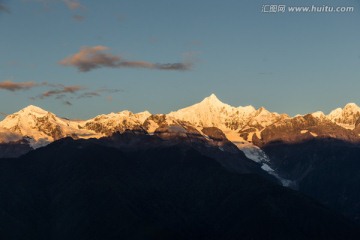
(77, 189)
(15, 148)
(327, 169)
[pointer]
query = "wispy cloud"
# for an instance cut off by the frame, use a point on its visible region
(99, 92)
(120, 18)
(78, 18)
(89, 95)
(4, 8)
(10, 136)
(57, 91)
(89, 58)
(73, 4)
(266, 73)
(16, 86)
(61, 91)
(68, 103)
(64, 93)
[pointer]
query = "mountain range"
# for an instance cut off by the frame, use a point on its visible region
(241, 125)
(249, 129)
(233, 159)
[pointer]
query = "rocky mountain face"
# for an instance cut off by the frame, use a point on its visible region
(346, 117)
(107, 124)
(304, 128)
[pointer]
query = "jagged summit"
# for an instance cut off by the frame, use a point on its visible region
(146, 112)
(318, 114)
(33, 107)
(208, 105)
(347, 116)
(209, 112)
(212, 100)
(351, 105)
(247, 109)
(213, 96)
(351, 108)
(42, 126)
(347, 107)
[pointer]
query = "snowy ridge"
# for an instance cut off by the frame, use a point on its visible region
(211, 112)
(318, 114)
(244, 126)
(345, 117)
(41, 126)
(106, 124)
(239, 124)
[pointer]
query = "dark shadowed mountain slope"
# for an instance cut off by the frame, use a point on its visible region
(326, 169)
(220, 149)
(71, 190)
(14, 149)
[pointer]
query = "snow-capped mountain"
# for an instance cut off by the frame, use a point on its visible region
(347, 116)
(303, 128)
(210, 123)
(43, 127)
(212, 112)
(239, 124)
(107, 124)
(40, 126)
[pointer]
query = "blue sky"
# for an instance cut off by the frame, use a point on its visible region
(287, 62)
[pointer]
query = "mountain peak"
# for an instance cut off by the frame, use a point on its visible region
(347, 116)
(212, 100)
(33, 109)
(213, 96)
(318, 114)
(351, 106)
